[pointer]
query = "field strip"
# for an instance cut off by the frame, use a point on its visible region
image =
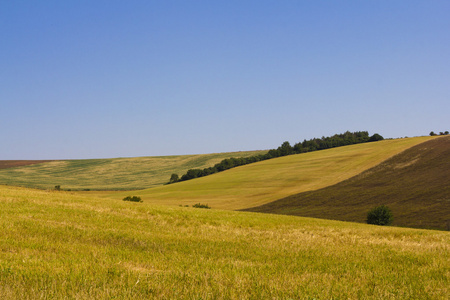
(266, 181)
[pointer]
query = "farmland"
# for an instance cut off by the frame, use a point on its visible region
(64, 245)
(107, 174)
(414, 184)
(263, 182)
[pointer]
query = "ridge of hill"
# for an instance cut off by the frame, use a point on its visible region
(60, 245)
(415, 184)
(108, 174)
(5, 164)
(266, 181)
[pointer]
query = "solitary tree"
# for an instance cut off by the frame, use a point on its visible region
(376, 137)
(380, 215)
(174, 178)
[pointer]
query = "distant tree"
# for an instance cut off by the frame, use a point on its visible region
(57, 187)
(191, 174)
(446, 133)
(298, 148)
(380, 215)
(432, 133)
(174, 178)
(285, 149)
(376, 137)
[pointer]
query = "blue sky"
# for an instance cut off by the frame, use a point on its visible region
(97, 79)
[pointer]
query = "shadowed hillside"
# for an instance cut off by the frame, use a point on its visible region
(414, 184)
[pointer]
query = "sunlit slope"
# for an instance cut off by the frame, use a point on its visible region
(415, 185)
(55, 245)
(266, 181)
(110, 174)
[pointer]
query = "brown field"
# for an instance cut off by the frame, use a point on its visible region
(415, 184)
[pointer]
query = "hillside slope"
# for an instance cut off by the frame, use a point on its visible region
(56, 245)
(267, 181)
(414, 184)
(6, 164)
(109, 174)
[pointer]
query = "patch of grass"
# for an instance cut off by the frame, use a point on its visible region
(263, 182)
(107, 174)
(60, 245)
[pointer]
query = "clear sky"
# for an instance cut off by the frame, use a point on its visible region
(98, 79)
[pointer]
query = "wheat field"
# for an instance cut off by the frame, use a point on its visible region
(58, 245)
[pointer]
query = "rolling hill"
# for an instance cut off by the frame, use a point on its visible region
(263, 182)
(415, 184)
(61, 245)
(106, 174)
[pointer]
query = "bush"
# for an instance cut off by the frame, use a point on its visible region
(198, 205)
(132, 198)
(380, 215)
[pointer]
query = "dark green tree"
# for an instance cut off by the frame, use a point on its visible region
(174, 178)
(376, 137)
(285, 149)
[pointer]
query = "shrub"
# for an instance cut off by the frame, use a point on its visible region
(380, 215)
(198, 205)
(132, 198)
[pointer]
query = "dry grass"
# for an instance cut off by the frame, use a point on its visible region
(63, 246)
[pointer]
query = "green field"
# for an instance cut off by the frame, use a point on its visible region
(110, 174)
(270, 180)
(58, 245)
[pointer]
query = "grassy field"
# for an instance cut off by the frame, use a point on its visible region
(6, 164)
(259, 183)
(108, 174)
(414, 184)
(57, 245)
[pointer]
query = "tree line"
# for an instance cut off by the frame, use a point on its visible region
(315, 144)
(440, 133)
